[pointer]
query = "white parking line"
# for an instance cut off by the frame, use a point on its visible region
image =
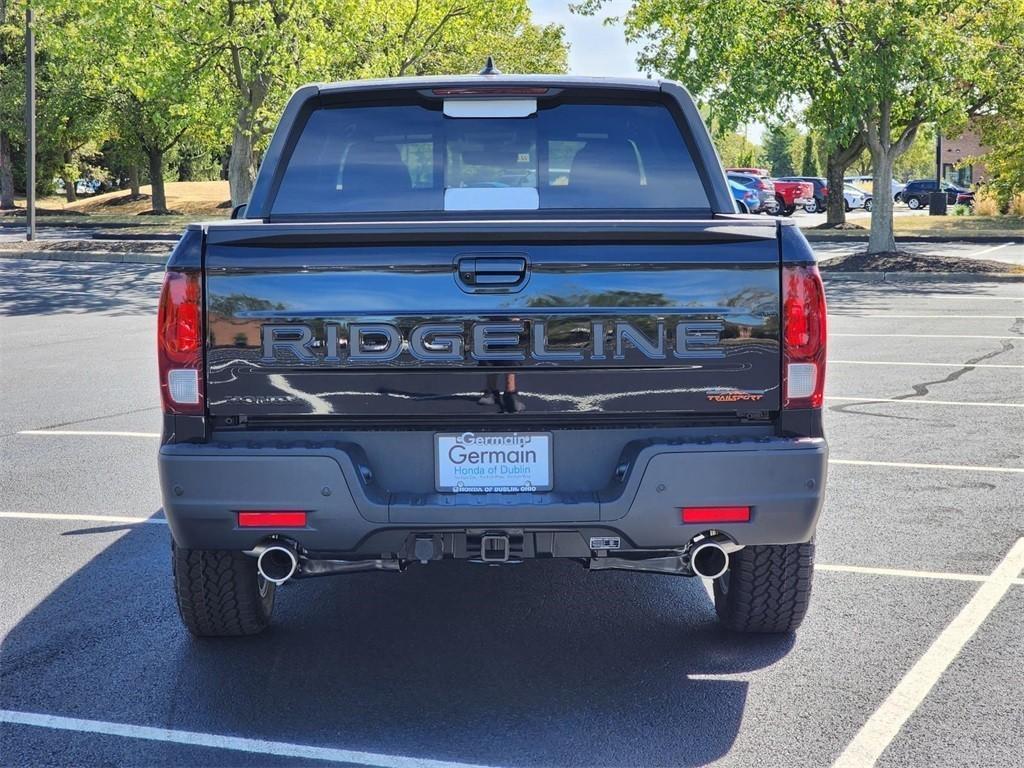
(219, 741)
(83, 518)
(92, 432)
(906, 465)
(906, 573)
(928, 365)
(925, 317)
(913, 401)
(983, 251)
(887, 721)
(919, 336)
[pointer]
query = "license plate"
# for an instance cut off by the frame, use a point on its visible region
(493, 462)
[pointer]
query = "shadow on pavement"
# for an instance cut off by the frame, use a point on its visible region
(48, 287)
(535, 664)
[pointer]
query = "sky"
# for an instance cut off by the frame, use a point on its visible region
(597, 49)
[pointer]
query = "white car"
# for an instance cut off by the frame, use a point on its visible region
(854, 197)
(866, 184)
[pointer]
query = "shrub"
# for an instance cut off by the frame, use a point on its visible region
(985, 203)
(960, 209)
(1017, 204)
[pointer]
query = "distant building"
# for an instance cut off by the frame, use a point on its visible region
(955, 150)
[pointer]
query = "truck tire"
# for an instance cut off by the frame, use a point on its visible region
(766, 589)
(220, 593)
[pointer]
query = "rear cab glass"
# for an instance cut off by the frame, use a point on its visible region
(413, 157)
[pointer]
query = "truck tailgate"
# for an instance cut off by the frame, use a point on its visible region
(480, 322)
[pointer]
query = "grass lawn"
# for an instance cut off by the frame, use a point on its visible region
(953, 225)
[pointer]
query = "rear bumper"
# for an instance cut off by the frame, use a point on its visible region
(349, 514)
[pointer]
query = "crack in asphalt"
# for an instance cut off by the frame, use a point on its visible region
(923, 388)
(91, 418)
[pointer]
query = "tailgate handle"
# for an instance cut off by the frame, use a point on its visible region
(491, 271)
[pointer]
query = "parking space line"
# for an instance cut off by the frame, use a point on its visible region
(913, 401)
(920, 336)
(86, 432)
(887, 721)
(925, 317)
(218, 741)
(906, 573)
(983, 251)
(83, 518)
(926, 365)
(908, 465)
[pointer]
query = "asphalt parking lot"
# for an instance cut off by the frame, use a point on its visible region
(912, 653)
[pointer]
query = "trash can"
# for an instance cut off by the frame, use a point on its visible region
(937, 204)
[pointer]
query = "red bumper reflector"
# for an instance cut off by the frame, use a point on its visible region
(272, 519)
(716, 514)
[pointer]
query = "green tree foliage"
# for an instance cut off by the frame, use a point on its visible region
(737, 151)
(808, 162)
(12, 90)
(780, 144)
(872, 71)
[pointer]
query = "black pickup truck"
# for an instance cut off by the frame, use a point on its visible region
(495, 319)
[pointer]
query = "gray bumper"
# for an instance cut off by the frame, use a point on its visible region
(204, 486)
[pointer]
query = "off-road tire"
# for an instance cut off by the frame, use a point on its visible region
(767, 588)
(220, 593)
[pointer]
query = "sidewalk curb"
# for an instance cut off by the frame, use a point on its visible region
(922, 277)
(967, 238)
(88, 256)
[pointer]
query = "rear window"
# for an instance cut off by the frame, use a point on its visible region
(413, 158)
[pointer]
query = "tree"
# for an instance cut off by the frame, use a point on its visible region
(808, 165)
(264, 49)
(779, 144)
(871, 71)
(133, 53)
(12, 89)
(737, 151)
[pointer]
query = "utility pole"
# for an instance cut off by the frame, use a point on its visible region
(30, 125)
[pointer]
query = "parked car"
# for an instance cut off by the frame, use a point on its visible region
(853, 197)
(746, 199)
(789, 195)
(866, 184)
(764, 187)
(917, 193)
(321, 425)
(820, 192)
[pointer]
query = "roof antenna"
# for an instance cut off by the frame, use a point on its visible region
(489, 68)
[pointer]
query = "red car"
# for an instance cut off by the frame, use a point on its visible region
(789, 195)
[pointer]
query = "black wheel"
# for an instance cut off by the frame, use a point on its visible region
(220, 593)
(788, 210)
(767, 588)
(913, 203)
(811, 207)
(846, 206)
(868, 205)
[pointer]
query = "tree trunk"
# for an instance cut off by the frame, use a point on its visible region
(241, 166)
(70, 193)
(835, 203)
(6, 176)
(185, 171)
(882, 239)
(133, 180)
(156, 179)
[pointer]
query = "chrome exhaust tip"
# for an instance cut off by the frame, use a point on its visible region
(709, 560)
(277, 563)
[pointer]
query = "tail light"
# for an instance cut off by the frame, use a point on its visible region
(180, 343)
(803, 337)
